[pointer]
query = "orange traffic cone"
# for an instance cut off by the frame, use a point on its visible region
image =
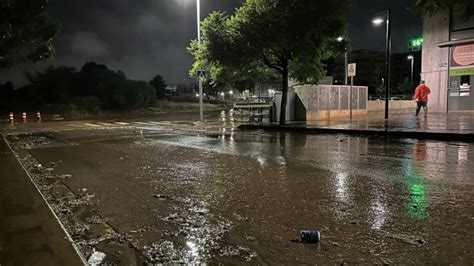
(11, 119)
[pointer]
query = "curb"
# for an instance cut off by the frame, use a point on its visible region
(469, 137)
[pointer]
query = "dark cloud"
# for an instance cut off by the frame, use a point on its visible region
(148, 37)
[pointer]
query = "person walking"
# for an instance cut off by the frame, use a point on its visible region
(421, 97)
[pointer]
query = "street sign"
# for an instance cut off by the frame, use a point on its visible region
(201, 73)
(351, 70)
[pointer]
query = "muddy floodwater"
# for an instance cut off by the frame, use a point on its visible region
(158, 195)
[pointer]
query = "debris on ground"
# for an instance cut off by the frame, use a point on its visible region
(310, 236)
(408, 239)
(162, 197)
(245, 254)
(66, 176)
(96, 258)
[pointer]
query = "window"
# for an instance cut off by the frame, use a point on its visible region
(462, 34)
(461, 28)
(465, 80)
(459, 23)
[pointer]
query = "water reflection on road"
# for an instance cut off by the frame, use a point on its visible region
(365, 188)
(233, 196)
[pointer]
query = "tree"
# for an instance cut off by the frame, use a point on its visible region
(431, 7)
(26, 32)
(405, 87)
(287, 36)
(52, 85)
(160, 86)
(94, 87)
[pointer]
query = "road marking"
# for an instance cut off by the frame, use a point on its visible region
(105, 124)
(142, 123)
(91, 125)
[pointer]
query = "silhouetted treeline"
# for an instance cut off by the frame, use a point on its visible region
(93, 88)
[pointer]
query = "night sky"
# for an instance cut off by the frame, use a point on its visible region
(148, 37)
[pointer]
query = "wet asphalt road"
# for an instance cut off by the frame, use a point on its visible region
(243, 196)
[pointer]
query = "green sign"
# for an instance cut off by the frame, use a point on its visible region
(415, 43)
(462, 72)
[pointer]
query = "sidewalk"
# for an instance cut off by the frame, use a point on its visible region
(453, 126)
(29, 232)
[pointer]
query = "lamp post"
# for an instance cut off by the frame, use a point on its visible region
(340, 39)
(201, 108)
(388, 41)
(412, 59)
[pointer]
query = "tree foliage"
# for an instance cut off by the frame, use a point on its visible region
(430, 7)
(158, 82)
(26, 32)
(290, 37)
(93, 87)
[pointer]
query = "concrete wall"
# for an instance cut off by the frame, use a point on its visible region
(393, 105)
(434, 67)
(330, 101)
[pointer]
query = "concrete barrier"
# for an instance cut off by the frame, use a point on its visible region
(374, 106)
(330, 101)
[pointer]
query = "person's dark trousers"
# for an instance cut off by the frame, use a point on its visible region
(420, 104)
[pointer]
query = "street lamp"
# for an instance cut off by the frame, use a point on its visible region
(412, 59)
(388, 41)
(201, 108)
(340, 39)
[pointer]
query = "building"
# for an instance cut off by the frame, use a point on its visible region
(371, 70)
(448, 61)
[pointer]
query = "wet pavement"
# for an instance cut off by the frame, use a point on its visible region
(401, 124)
(405, 120)
(162, 194)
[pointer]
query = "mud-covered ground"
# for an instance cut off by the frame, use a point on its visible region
(159, 195)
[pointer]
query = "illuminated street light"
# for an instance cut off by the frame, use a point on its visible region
(346, 59)
(378, 21)
(412, 59)
(231, 92)
(388, 43)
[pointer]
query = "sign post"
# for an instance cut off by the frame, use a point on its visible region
(351, 72)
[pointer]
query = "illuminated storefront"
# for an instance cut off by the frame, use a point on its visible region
(448, 62)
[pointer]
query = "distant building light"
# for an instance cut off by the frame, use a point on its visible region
(340, 39)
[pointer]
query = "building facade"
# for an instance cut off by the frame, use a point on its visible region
(448, 61)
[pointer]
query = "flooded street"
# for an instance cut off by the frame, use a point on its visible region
(162, 195)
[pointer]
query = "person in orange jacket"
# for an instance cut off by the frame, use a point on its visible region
(421, 97)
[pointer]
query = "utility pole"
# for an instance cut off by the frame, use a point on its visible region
(201, 108)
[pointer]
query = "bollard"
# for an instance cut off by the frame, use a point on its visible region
(23, 117)
(11, 119)
(38, 115)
